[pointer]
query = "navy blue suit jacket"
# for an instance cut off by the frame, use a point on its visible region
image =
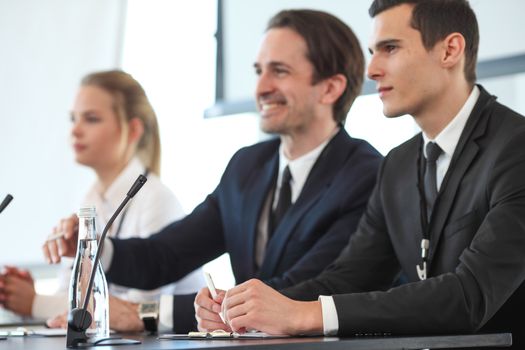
(309, 237)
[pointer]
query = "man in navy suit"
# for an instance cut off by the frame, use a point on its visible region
(284, 208)
(448, 209)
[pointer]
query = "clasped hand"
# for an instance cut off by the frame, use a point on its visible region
(17, 290)
(253, 305)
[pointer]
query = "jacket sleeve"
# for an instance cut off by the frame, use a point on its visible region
(491, 268)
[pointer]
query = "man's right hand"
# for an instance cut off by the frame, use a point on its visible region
(66, 245)
(207, 311)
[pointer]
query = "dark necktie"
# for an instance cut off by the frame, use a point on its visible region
(283, 202)
(433, 152)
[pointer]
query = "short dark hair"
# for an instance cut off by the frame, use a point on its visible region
(333, 49)
(435, 19)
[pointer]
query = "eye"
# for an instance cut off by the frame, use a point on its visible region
(92, 118)
(279, 71)
(390, 48)
(258, 71)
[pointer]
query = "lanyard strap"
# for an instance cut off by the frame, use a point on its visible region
(425, 228)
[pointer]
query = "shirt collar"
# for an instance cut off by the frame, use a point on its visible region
(301, 166)
(120, 186)
(448, 138)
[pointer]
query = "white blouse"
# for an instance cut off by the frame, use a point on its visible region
(154, 207)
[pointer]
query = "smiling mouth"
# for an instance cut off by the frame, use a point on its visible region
(269, 106)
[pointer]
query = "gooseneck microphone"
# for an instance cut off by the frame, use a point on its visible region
(5, 202)
(79, 319)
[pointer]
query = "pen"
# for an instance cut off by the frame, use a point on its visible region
(213, 291)
(55, 236)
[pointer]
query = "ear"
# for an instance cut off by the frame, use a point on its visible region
(135, 130)
(453, 50)
(333, 88)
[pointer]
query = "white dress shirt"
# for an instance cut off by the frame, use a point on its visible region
(447, 139)
(299, 169)
(154, 207)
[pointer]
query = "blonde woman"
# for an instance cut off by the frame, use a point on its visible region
(114, 131)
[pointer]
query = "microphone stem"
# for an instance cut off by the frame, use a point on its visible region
(99, 251)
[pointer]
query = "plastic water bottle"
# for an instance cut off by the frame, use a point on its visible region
(87, 247)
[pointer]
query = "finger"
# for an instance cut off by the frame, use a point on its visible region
(236, 290)
(46, 252)
(205, 314)
(204, 300)
(238, 310)
(219, 298)
(54, 256)
(10, 270)
(21, 273)
(69, 226)
(55, 322)
(245, 321)
(241, 323)
(206, 325)
(11, 285)
(232, 300)
(62, 246)
(26, 275)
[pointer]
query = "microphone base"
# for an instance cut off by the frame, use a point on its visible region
(89, 342)
(74, 338)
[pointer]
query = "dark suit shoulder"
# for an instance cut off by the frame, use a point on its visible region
(256, 153)
(407, 148)
(362, 146)
(344, 145)
(506, 115)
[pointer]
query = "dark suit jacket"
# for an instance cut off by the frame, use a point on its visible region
(309, 237)
(477, 249)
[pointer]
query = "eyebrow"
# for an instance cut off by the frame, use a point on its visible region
(383, 43)
(272, 64)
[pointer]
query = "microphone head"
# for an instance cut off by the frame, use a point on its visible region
(5, 202)
(139, 182)
(79, 319)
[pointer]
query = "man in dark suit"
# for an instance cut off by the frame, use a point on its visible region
(310, 68)
(455, 225)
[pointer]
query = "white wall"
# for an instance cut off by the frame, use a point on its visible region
(46, 47)
(501, 31)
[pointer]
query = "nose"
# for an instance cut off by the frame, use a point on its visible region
(76, 127)
(373, 71)
(264, 84)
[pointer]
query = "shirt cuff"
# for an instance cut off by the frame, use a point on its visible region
(47, 306)
(330, 320)
(107, 255)
(166, 312)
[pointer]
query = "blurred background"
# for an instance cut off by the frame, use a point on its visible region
(194, 59)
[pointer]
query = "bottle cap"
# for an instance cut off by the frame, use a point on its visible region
(87, 211)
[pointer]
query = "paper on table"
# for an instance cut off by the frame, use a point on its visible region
(33, 331)
(220, 334)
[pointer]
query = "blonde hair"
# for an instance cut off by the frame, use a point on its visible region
(130, 101)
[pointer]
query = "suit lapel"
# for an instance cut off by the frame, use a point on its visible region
(465, 152)
(259, 184)
(318, 181)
